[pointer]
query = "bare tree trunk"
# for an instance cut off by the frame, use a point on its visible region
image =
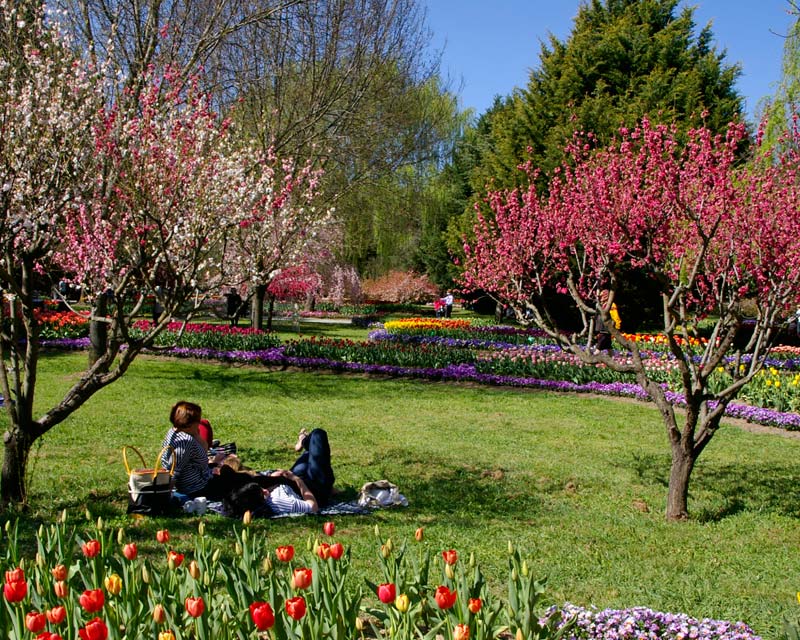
(15, 462)
(98, 331)
(257, 310)
(678, 494)
(270, 312)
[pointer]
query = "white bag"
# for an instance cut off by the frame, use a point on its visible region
(381, 493)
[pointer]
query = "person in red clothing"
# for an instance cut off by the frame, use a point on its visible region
(206, 433)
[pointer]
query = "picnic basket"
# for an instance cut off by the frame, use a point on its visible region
(149, 488)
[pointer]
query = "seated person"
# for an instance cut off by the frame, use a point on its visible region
(206, 434)
(196, 475)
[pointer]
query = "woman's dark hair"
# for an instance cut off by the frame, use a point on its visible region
(184, 414)
(248, 497)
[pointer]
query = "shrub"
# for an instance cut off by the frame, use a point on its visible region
(400, 286)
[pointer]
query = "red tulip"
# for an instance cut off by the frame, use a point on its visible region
(450, 557)
(262, 615)
(301, 578)
(56, 615)
(59, 572)
(387, 592)
(328, 528)
(474, 605)
(130, 551)
(162, 535)
(95, 629)
(15, 575)
(175, 558)
(60, 588)
(47, 635)
(91, 549)
(324, 550)
(15, 591)
(285, 554)
(461, 632)
(195, 606)
(92, 601)
(296, 607)
(35, 621)
(444, 597)
(337, 550)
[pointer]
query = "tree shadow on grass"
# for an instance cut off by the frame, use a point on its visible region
(436, 487)
(717, 491)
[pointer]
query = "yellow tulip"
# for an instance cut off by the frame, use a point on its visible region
(402, 603)
(166, 635)
(113, 584)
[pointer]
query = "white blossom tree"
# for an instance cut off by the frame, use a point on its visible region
(130, 198)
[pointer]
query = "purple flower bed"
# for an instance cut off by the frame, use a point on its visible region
(640, 623)
(458, 372)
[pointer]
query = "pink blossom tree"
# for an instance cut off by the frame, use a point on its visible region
(711, 233)
(281, 228)
(128, 198)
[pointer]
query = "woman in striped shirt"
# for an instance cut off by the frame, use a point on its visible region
(195, 476)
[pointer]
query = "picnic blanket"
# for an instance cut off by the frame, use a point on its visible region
(373, 495)
(334, 509)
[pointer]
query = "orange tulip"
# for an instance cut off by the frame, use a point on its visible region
(162, 536)
(59, 572)
(324, 550)
(419, 534)
(461, 632)
(60, 588)
(301, 578)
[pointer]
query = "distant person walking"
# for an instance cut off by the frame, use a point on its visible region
(448, 304)
(234, 306)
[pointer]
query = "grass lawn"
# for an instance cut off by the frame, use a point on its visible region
(578, 482)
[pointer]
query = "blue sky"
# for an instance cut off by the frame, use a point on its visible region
(491, 45)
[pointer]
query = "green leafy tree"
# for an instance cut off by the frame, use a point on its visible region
(623, 60)
(777, 110)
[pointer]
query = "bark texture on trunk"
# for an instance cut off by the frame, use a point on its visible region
(15, 463)
(678, 494)
(257, 307)
(98, 331)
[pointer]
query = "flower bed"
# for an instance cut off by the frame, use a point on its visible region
(95, 585)
(61, 324)
(771, 398)
(640, 623)
(199, 335)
